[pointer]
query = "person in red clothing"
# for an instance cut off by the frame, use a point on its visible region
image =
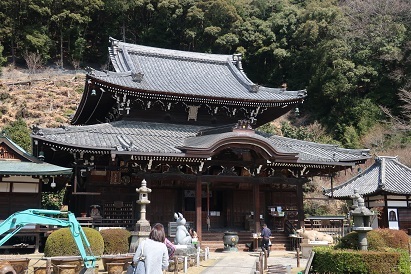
(265, 239)
(170, 248)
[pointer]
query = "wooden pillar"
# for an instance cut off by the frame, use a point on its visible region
(198, 208)
(300, 204)
(256, 198)
(75, 179)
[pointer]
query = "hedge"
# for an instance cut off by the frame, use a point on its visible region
(344, 261)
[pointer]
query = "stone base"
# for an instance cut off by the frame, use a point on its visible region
(66, 269)
(40, 270)
(122, 259)
(66, 261)
(230, 249)
(115, 268)
(136, 238)
(185, 250)
(307, 247)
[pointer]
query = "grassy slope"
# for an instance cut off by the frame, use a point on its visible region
(46, 99)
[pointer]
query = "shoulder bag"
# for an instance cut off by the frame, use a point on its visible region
(140, 266)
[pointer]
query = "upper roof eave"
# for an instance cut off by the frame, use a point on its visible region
(284, 97)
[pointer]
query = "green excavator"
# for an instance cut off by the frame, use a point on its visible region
(15, 222)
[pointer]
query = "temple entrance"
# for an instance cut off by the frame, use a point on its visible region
(213, 207)
(226, 208)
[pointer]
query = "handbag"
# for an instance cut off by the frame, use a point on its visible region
(140, 267)
(141, 264)
(130, 269)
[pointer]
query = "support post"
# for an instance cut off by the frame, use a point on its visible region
(48, 266)
(256, 196)
(175, 265)
(198, 209)
(300, 203)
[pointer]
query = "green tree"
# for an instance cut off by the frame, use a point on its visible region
(19, 133)
(70, 20)
(212, 26)
(53, 200)
(2, 59)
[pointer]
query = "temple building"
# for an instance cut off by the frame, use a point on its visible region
(186, 122)
(386, 189)
(24, 177)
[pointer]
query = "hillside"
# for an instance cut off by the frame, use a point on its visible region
(46, 99)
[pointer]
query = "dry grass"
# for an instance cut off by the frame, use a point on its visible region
(46, 99)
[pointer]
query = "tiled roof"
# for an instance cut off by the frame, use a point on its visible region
(387, 174)
(17, 149)
(307, 152)
(29, 168)
(28, 164)
(122, 135)
(163, 138)
(315, 152)
(186, 73)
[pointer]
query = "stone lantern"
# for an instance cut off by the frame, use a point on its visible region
(142, 227)
(362, 220)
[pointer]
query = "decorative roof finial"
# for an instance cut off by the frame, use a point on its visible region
(237, 59)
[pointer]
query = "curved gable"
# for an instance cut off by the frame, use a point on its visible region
(211, 145)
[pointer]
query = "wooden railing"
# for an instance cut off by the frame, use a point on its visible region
(336, 226)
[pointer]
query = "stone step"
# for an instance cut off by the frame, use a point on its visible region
(219, 246)
(280, 242)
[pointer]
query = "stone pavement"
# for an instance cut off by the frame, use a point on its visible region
(245, 262)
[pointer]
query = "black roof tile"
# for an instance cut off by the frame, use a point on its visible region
(145, 137)
(387, 174)
(188, 73)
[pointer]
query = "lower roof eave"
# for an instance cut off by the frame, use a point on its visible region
(331, 194)
(314, 164)
(160, 155)
(39, 173)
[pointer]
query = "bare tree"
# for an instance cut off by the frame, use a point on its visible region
(372, 19)
(33, 61)
(75, 63)
(405, 97)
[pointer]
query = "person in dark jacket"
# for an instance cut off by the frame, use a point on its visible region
(265, 239)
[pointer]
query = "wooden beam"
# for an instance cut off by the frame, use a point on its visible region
(221, 178)
(86, 193)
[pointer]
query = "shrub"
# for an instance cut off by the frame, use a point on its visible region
(394, 238)
(349, 241)
(61, 243)
(328, 260)
(378, 240)
(116, 240)
(375, 242)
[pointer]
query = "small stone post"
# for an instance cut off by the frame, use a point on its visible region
(142, 227)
